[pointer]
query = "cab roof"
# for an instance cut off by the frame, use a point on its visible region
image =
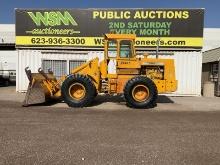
(120, 36)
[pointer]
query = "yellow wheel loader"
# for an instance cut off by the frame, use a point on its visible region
(137, 77)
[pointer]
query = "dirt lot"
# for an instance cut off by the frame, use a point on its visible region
(109, 103)
(180, 130)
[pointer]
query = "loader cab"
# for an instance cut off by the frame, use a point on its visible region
(118, 47)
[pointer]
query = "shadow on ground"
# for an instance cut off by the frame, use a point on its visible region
(164, 99)
(101, 99)
(120, 99)
(47, 103)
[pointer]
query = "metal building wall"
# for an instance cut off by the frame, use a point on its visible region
(33, 60)
(188, 67)
(7, 33)
(9, 57)
(188, 73)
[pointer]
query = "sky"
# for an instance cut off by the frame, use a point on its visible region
(212, 7)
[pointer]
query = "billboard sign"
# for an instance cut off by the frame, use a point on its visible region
(176, 28)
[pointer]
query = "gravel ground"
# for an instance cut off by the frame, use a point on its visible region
(179, 131)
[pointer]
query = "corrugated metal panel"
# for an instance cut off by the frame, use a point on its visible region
(94, 54)
(188, 67)
(8, 64)
(211, 55)
(9, 58)
(26, 58)
(33, 59)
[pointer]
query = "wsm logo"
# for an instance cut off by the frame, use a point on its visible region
(52, 18)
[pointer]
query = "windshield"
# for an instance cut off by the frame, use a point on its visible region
(125, 49)
(112, 49)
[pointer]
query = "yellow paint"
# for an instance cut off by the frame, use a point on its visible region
(140, 93)
(91, 69)
(97, 72)
(90, 41)
(77, 91)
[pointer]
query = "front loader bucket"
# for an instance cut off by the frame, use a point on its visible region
(42, 87)
(35, 94)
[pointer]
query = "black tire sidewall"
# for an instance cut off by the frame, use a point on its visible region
(140, 80)
(86, 82)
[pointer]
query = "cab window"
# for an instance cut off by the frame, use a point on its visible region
(112, 49)
(125, 49)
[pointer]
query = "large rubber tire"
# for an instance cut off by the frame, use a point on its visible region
(147, 83)
(86, 83)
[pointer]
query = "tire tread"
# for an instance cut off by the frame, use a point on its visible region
(153, 92)
(86, 81)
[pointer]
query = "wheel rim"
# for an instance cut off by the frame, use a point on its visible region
(77, 91)
(140, 93)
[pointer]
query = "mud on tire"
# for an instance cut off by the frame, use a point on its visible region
(85, 83)
(146, 83)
